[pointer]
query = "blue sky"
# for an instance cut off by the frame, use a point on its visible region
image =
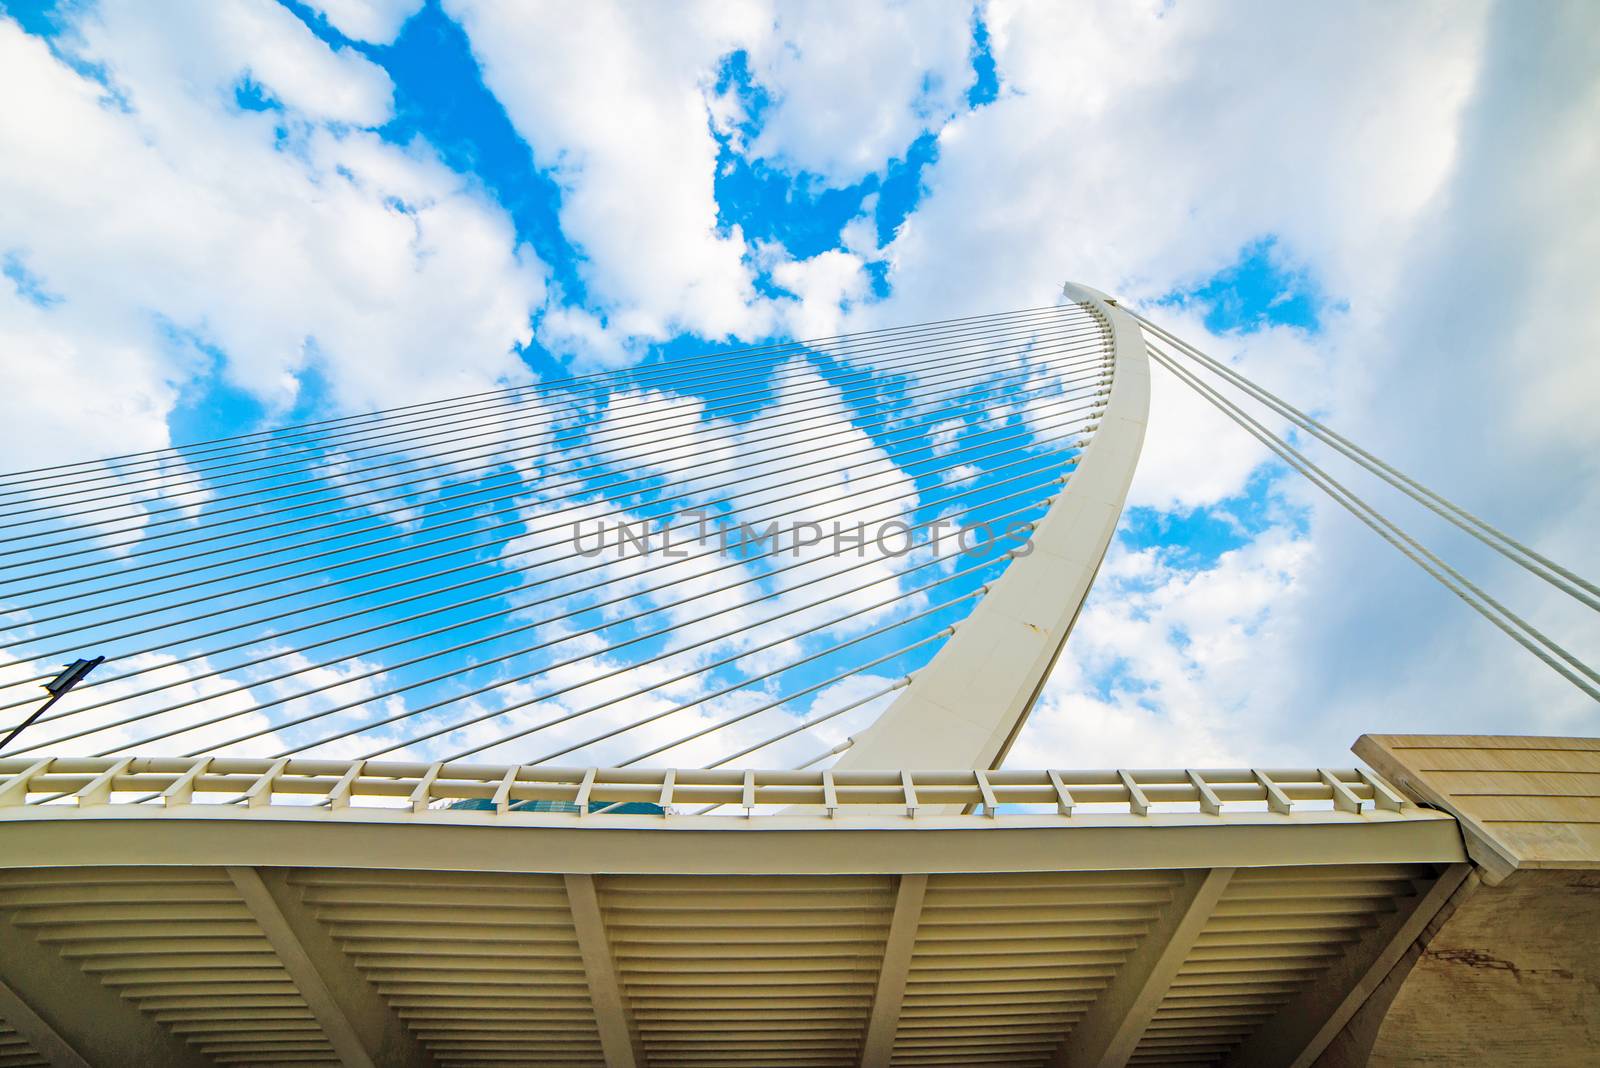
(319, 199)
(440, 96)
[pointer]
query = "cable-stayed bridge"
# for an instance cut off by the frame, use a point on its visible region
(591, 722)
(779, 528)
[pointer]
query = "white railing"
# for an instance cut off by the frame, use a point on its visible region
(253, 783)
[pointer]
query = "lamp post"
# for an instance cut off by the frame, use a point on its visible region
(70, 676)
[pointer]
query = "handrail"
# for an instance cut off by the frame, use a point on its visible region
(212, 782)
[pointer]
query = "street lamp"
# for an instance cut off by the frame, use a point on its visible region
(70, 676)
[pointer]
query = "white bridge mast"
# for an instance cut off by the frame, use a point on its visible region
(965, 708)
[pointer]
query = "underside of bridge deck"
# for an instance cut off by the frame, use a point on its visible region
(466, 915)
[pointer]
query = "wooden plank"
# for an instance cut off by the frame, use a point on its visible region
(1555, 808)
(1549, 845)
(1519, 783)
(1492, 759)
(1519, 762)
(1530, 742)
(1521, 768)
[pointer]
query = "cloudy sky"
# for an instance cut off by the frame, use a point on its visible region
(250, 212)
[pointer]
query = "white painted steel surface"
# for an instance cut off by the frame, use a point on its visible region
(350, 913)
(965, 707)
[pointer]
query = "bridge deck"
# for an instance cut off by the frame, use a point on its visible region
(311, 912)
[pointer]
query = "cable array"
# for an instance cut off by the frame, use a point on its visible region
(417, 580)
(1185, 361)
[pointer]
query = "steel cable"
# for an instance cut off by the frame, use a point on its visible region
(396, 690)
(700, 669)
(687, 365)
(922, 357)
(767, 376)
(1561, 578)
(1064, 386)
(1064, 352)
(1518, 629)
(894, 494)
(457, 605)
(1029, 443)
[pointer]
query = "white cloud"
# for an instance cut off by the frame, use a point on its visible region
(103, 729)
(620, 101)
(1177, 651)
(614, 99)
(1401, 155)
(170, 70)
(1142, 147)
(854, 84)
(173, 218)
(825, 285)
(76, 393)
(582, 337)
(375, 21)
(1135, 154)
(1174, 475)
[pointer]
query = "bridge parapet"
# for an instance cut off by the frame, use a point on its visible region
(245, 784)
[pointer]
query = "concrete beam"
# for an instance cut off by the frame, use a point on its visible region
(600, 967)
(91, 1023)
(891, 992)
(20, 1017)
(300, 836)
(354, 1017)
(1303, 1028)
(1106, 1035)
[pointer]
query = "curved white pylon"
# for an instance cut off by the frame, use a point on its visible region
(965, 708)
